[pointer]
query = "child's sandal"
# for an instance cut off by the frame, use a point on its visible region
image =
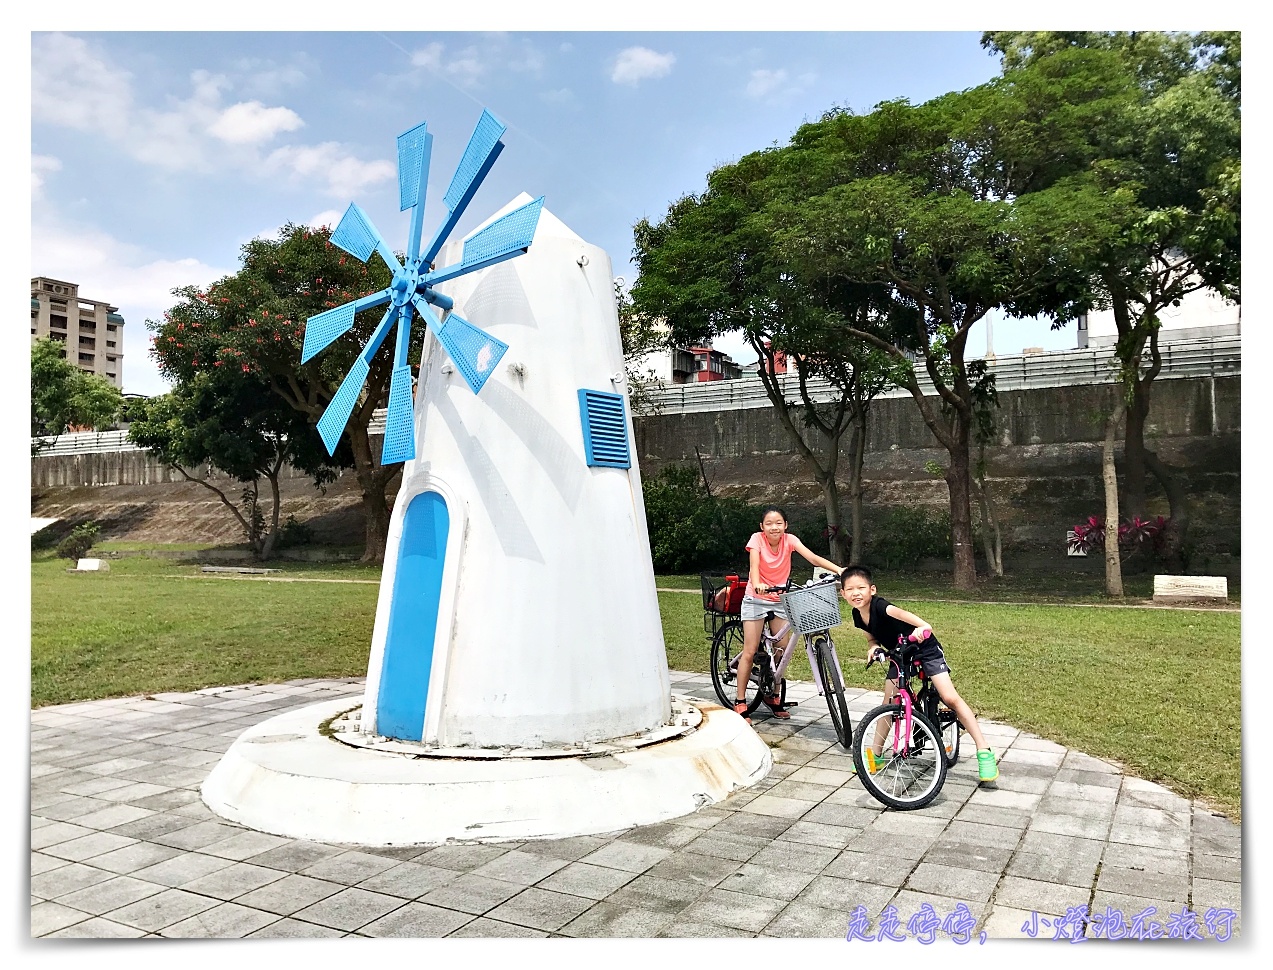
(740, 708)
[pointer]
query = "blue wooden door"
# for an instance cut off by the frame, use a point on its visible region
(413, 619)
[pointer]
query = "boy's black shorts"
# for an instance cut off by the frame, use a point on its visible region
(928, 653)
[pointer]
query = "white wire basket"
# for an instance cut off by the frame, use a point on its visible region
(815, 608)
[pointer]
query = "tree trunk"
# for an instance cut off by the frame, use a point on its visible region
(857, 451)
(1178, 528)
(957, 479)
(835, 520)
(1134, 460)
(271, 536)
(1113, 564)
(374, 480)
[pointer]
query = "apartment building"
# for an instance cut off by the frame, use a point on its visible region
(92, 331)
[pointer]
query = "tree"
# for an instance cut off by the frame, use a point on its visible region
(254, 320)
(640, 335)
(64, 397)
(1173, 148)
(709, 267)
(232, 422)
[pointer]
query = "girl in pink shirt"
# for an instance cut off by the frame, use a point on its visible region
(770, 550)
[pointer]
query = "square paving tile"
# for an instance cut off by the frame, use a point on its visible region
(416, 920)
(244, 845)
(845, 895)
(739, 910)
(958, 883)
(197, 836)
(178, 871)
(1138, 882)
(791, 808)
(234, 880)
(1031, 895)
(947, 852)
(868, 867)
(49, 917)
(162, 909)
(87, 846)
(349, 909)
(295, 856)
(461, 857)
(521, 867)
(541, 909)
(289, 895)
(667, 835)
(588, 881)
(470, 893)
(97, 928)
(69, 878)
(629, 856)
(804, 920)
(349, 868)
(616, 921)
(153, 825)
(659, 895)
(102, 897)
(691, 867)
(409, 880)
(226, 921)
(765, 881)
(130, 858)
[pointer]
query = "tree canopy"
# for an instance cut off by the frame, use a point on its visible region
(65, 397)
(253, 322)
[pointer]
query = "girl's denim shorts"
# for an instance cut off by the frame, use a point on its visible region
(755, 609)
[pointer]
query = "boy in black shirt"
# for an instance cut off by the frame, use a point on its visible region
(884, 623)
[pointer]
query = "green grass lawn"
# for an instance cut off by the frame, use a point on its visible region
(1152, 689)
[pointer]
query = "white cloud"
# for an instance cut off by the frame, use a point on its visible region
(328, 217)
(72, 86)
(764, 81)
(429, 56)
(468, 66)
(346, 176)
(122, 274)
(250, 121)
(773, 84)
(558, 96)
(635, 64)
(40, 165)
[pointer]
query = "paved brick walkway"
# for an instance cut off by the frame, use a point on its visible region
(122, 845)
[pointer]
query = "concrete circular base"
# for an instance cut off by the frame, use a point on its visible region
(287, 777)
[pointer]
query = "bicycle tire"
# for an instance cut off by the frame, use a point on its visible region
(913, 777)
(726, 645)
(946, 720)
(833, 689)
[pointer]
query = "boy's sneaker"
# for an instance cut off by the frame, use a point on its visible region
(987, 766)
(873, 762)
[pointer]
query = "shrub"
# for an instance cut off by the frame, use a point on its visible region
(292, 533)
(690, 530)
(79, 542)
(903, 535)
(1136, 535)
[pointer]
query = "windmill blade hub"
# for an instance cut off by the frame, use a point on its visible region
(404, 285)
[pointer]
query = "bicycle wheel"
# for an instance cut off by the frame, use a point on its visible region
(946, 720)
(833, 687)
(909, 770)
(726, 646)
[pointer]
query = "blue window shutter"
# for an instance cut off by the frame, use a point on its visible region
(605, 429)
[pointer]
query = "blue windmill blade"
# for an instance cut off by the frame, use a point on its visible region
(322, 328)
(399, 440)
(506, 237)
(414, 150)
(479, 155)
(474, 352)
(332, 424)
(357, 235)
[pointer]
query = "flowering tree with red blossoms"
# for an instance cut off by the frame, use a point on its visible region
(253, 323)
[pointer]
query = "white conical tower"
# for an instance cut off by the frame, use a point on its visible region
(546, 629)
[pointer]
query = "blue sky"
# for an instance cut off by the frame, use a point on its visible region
(155, 156)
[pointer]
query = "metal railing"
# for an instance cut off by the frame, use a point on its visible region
(1210, 357)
